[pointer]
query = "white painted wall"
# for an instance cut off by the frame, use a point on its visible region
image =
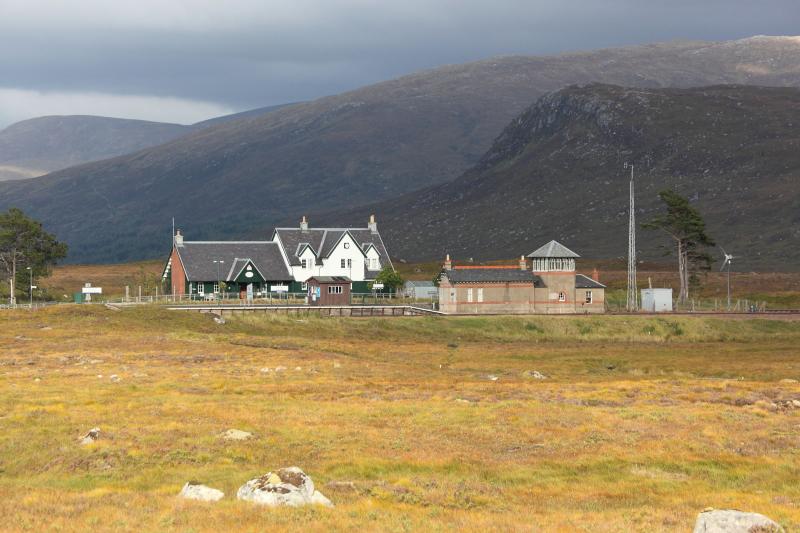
(346, 249)
(373, 259)
(301, 274)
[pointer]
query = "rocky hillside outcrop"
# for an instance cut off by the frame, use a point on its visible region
(556, 171)
(375, 143)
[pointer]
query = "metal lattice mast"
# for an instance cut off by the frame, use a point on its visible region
(633, 301)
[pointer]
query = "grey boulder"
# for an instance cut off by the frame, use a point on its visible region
(289, 487)
(193, 491)
(731, 521)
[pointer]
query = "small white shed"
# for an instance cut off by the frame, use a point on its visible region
(657, 300)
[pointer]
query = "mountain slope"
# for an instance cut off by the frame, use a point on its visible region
(556, 172)
(359, 147)
(39, 145)
(34, 147)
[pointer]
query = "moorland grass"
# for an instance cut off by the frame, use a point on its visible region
(642, 422)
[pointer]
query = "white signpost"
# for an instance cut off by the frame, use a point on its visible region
(279, 288)
(88, 290)
(377, 286)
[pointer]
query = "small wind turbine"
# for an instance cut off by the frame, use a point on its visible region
(727, 263)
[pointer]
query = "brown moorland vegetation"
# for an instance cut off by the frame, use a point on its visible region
(641, 423)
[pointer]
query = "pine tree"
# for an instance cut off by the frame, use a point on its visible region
(684, 224)
(23, 244)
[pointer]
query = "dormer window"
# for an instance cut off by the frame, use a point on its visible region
(304, 263)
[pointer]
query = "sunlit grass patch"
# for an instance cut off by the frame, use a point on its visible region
(421, 423)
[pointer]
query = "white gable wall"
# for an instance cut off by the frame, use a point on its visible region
(373, 259)
(301, 274)
(346, 249)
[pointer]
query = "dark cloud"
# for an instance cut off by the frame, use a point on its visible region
(247, 53)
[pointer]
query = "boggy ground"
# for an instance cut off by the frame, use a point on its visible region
(641, 424)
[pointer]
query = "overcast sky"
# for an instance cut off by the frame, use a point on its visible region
(187, 60)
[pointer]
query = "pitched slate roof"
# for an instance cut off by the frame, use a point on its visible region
(585, 282)
(239, 265)
(323, 241)
(492, 275)
(330, 279)
(553, 249)
(198, 259)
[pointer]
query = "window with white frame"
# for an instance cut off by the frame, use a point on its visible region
(201, 287)
(480, 295)
(349, 263)
(343, 263)
(373, 264)
(304, 263)
(469, 295)
(562, 297)
(216, 288)
(588, 297)
(453, 295)
(334, 289)
(304, 286)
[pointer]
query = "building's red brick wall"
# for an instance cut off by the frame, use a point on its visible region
(178, 275)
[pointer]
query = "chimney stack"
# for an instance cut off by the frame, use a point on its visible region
(523, 264)
(373, 226)
(448, 265)
(596, 275)
(178, 238)
(304, 224)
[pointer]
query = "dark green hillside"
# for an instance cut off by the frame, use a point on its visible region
(375, 143)
(556, 171)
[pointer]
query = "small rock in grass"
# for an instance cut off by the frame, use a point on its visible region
(286, 487)
(196, 491)
(91, 436)
(492, 377)
(533, 374)
(280, 368)
(297, 369)
(788, 380)
(796, 403)
(235, 434)
(37, 380)
(115, 378)
(731, 521)
(265, 370)
(219, 319)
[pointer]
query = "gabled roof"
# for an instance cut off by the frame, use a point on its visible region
(330, 279)
(198, 259)
(553, 249)
(585, 282)
(492, 275)
(239, 264)
(323, 241)
(302, 248)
